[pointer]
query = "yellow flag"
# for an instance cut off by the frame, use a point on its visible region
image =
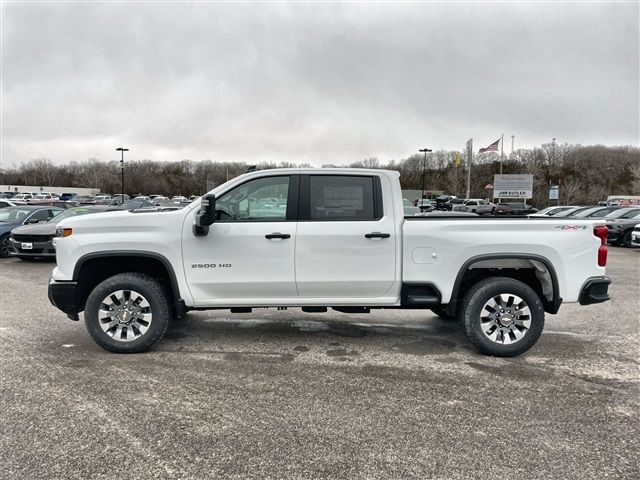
(457, 159)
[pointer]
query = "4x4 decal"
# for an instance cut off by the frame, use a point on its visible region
(572, 227)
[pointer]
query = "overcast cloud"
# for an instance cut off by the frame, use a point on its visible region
(318, 83)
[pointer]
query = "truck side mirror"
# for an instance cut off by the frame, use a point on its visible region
(206, 216)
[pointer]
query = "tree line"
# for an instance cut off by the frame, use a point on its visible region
(585, 174)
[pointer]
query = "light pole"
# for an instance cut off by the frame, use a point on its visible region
(122, 150)
(424, 172)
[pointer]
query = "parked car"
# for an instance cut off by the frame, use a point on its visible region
(342, 243)
(131, 205)
(573, 211)
(103, 199)
(142, 197)
(194, 197)
(13, 217)
(425, 205)
(117, 198)
(635, 236)
(621, 229)
(179, 199)
(551, 211)
(456, 204)
(622, 213)
(22, 197)
(6, 203)
(67, 196)
(160, 200)
(36, 241)
(514, 208)
(44, 196)
(7, 195)
(595, 212)
(479, 206)
(443, 202)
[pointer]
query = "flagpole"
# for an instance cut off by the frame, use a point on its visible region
(469, 159)
(501, 151)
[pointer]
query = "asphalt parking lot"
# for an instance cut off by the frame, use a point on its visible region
(288, 394)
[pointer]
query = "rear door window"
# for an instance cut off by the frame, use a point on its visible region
(343, 197)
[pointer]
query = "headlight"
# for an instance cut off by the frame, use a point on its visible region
(63, 232)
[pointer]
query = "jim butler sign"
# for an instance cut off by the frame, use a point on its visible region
(513, 186)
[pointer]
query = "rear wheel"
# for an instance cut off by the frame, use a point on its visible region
(127, 313)
(626, 239)
(502, 316)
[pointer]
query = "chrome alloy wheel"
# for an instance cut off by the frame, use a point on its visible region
(505, 319)
(125, 315)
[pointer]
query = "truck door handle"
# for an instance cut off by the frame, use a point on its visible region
(277, 235)
(377, 235)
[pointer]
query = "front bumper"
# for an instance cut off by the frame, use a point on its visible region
(614, 236)
(595, 290)
(38, 249)
(64, 295)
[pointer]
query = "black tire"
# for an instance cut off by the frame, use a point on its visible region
(441, 312)
(152, 292)
(626, 239)
(481, 293)
(4, 246)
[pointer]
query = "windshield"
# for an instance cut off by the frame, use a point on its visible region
(13, 214)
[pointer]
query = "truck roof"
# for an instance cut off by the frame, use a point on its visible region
(360, 171)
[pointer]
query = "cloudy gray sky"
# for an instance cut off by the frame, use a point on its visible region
(318, 83)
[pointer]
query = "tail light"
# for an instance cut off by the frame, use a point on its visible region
(601, 233)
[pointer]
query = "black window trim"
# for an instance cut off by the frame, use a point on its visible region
(304, 209)
(291, 214)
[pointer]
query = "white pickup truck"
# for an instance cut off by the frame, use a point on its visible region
(319, 239)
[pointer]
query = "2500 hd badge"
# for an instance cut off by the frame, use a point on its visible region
(210, 265)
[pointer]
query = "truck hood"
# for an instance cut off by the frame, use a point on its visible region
(124, 220)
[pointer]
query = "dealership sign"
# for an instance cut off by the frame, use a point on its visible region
(513, 186)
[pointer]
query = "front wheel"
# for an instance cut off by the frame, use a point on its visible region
(127, 313)
(626, 239)
(4, 246)
(502, 316)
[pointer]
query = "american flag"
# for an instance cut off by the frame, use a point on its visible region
(491, 148)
